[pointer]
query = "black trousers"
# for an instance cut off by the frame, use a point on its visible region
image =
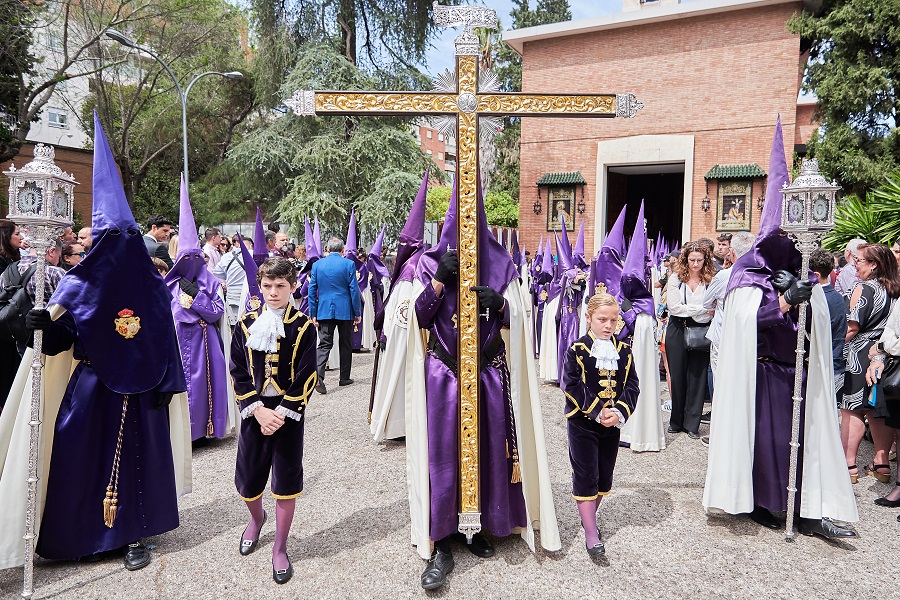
(326, 342)
(687, 370)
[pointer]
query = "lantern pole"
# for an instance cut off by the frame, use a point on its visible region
(807, 215)
(41, 198)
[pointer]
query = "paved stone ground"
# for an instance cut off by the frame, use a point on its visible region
(350, 537)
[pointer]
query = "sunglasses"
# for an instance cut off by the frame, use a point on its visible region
(81, 254)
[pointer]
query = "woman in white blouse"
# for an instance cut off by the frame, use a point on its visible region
(688, 368)
(888, 344)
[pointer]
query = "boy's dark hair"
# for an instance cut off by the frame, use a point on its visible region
(270, 236)
(158, 220)
(276, 267)
(821, 262)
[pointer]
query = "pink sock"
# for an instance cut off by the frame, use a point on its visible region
(257, 514)
(284, 515)
(588, 511)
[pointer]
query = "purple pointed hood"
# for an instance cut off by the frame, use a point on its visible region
(317, 237)
(516, 253)
(634, 283)
(260, 249)
(351, 245)
(189, 264)
(495, 266)
(116, 291)
(607, 268)
(771, 251)
(578, 253)
(254, 295)
(312, 251)
(412, 236)
(374, 262)
(563, 247)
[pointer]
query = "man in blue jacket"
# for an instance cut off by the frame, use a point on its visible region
(333, 304)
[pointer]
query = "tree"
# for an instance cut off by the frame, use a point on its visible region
(854, 70)
(501, 209)
(508, 66)
(140, 109)
(16, 64)
(876, 220)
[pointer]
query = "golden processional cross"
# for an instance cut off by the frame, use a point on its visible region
(465, 98)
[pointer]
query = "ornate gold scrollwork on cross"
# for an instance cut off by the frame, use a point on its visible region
(537, 103)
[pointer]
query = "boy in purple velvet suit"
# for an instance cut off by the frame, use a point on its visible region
(273, 367)
(601, 389)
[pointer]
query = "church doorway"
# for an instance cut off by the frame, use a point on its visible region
(660, 186)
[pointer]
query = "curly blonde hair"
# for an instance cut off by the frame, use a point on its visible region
(709, 267)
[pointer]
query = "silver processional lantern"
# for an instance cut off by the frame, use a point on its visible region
(807, 215)
(41, 199)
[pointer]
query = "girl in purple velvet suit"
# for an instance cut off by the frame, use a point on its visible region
(601, 388)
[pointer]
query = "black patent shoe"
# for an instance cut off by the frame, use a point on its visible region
(598, 549)
(824, 528)
(136, 556)
(282, 576)
(480, 546)
(435, 574)
(248, 546)
(763, 517)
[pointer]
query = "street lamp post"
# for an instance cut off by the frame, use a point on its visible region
(182, 94)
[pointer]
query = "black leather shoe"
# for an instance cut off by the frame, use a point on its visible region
(248, 546)
(693, 435)
(435, 574)
(480, 546)
(824, 528)
(345, 382)
(136, 556)
(672, 429)
(282, 576)
(764, 518)
(598, 549)
(889, 503)
(320, 387)
(705, 417)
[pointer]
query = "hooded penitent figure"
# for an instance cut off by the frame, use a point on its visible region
(548, 366)
(111, 368)
(387, 406)
(514, 486)
(643, 431)
(573, 282)
(198, 307)
(539, 283)
(379, 280)
(363, 333)
(750, 432)
(301, 296)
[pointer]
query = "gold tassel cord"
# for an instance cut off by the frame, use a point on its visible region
(499, 363)
(111, 501)
(210, 430)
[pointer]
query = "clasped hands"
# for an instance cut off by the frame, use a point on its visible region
(269, 420)
(608, 417)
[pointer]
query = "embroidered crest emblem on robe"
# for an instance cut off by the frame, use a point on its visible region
(254, 302)
(127, 325)
(401, 316)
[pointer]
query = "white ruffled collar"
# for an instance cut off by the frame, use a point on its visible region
(265, 331)
(604, 352)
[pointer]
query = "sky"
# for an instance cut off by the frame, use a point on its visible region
(441, 55)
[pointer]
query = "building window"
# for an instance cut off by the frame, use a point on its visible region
(440, 137)
(428, 133)
(440, 156)
(429, 152)
(58, 117)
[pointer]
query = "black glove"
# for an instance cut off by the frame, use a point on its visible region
(783, 281)
(488, 297)
(189, 287)
(626, 305)
(579, 285)
(448, 267)
(163, 399)
(798, 293)
(37, 319)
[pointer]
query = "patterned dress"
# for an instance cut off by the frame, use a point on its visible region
(871, 313)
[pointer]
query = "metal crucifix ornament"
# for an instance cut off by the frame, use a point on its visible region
(464, 98)
(807, 215)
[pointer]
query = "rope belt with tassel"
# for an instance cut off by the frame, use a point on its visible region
(499, 363)
(111, 501)
(210, 430)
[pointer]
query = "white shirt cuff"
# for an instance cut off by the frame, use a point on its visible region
(248, 412)
(288, 413)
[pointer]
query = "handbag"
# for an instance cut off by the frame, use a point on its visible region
(695, 336)
(890, 379)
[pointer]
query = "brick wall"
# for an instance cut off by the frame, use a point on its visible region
(722, 78)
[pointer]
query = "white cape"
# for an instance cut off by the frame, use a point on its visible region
(529, 432)
(14, 442)
(547, 363)
(225, 331)
(388, 420)
(644, 430)
(826, 487)
(368, 319)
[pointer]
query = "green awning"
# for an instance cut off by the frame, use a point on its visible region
(749, 171)
(562, 179)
